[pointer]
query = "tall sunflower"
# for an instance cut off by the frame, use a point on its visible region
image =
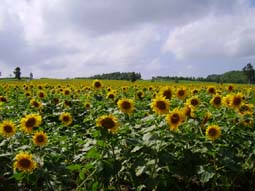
(36, 104)
(67, 91)
(246, 108)
(216, 101)
(109, 122)
(126, 105)
(211, 90)
(140, 94)
(66, 118)
(166, 92)
(97, 84)
(174, 119)
(160, 105)
(227, 100)
(236, 100)
(193, 102)
(7, 128)
(41, 94)
(30, 122)
(111, 94)
(181, 93)
(40, 138)
(213, 132)
(24, 162)
(87, 105)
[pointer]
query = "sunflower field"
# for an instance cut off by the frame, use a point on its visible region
(120, 135)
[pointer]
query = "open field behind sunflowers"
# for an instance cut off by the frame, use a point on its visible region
(117, 135)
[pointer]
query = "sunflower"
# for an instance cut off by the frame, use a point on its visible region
(31, 121)
(230, 88)
(194, 91)
(247, 120)
(7, 128)
(211, 90)
(66, 118)
(246, 109)
(140, 94)
(108, 122)
(160, 105)
(40, 139)
(41, 94)
(24, 162)
(111, 94)
(181, 93)
(174, 119)
(236, 100)
(35, 104)
(124, 88)
(216, 101)
(27, 94)
(166, 92)
(213, 132)
(67, 91)
(97, 84)
(193, 102)
(227, 99)
(87, 105)
(126, 105)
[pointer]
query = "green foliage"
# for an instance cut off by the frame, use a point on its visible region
(143, 154)
(130, 76)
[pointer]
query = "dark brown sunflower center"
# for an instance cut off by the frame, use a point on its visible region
(8, 129)
(161, 105)
(167, 94)
(230, 88)
(31, 122)
(211, 90)
(67, 92)
(126, 105)
(41, 95)
(111, 96)
(175, 118)
(66, 118)
(25, 163)
(237, 101)
(40, 138)
(181, 92)
(194, 102)
(217, 100)
(35, 104)
(108, 123)
(97, 84)
(212, 132)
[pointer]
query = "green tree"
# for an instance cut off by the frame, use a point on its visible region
(17, 73)
(249, 72)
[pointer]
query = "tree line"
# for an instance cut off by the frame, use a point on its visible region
(246, 75)
(130, 76)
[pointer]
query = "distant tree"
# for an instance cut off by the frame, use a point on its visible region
(31, 76)
(17, 73)
(249, 72)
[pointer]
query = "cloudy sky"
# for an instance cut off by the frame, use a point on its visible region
(70, 38)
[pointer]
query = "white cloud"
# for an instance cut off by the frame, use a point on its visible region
(214, 37)
(62, 38)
